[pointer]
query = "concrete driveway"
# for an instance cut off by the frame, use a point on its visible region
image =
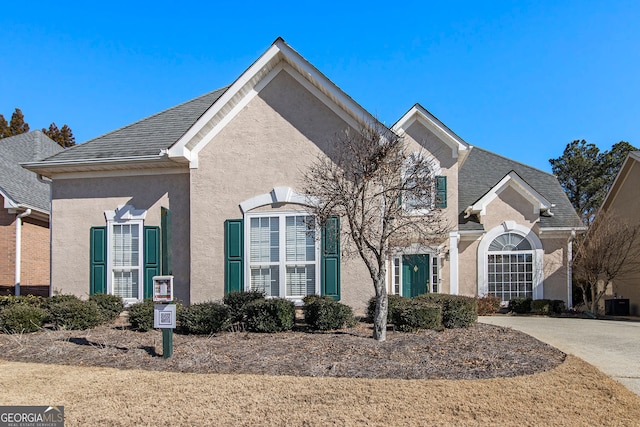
(613, 346)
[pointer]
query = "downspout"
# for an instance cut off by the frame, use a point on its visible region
(19, 247)
(570, 269)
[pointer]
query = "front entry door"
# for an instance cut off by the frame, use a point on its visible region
(415, 275)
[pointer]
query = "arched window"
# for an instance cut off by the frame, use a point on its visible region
(510, 267)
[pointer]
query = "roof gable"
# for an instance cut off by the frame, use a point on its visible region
(428, 120)
(280, 57)
(19, 187)
(633, 159)
(511, 180)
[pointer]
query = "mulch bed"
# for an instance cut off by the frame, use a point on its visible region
(480, 351)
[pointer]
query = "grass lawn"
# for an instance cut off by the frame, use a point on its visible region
(574, 393)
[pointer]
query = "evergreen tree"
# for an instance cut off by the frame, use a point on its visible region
(17, 125)
(64, 137)
(4, 127)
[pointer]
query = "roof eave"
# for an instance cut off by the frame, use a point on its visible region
(50, 168)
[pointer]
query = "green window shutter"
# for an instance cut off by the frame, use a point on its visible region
(330, 268)
(165, 225)
(98, 261)
(234, 254)
(441, 191)
(151, 258)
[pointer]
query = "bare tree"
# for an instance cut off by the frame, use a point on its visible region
(385, 193)
(609, 250)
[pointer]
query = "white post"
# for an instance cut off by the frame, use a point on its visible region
(19, 248)
(454, 236)
(570, 270)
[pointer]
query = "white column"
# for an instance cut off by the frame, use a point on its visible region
(570, 270)
(454, 236)
(19, 248)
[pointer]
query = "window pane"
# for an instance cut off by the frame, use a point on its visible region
(301, 280)
(263, 240)
(125, 283)
(300, 238)
(265, 279)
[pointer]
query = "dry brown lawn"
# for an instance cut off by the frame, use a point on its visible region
(569, 392)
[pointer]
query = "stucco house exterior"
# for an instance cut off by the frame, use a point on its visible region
(24, 215)
(623, 201)
(210, 191)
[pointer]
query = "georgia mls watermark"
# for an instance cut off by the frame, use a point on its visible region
(31, 416)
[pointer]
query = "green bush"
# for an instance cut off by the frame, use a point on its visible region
(31, 300)
(394, 301)
(457, 311)
(18, 318)
(203, 319)
(141, 315)
(488, 305)
(413, 314)
(520, 305)
(325, 314)
(110, 305)
(547, 306)
(73, 313)
(237, 302)
(271, 315)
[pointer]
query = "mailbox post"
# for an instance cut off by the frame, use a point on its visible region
(164, 313)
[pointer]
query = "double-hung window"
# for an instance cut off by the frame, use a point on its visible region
(283, 254)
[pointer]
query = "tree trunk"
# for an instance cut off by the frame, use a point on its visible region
(382, 307)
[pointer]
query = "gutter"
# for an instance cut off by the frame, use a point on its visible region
(19, 247)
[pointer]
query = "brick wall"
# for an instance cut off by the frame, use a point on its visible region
(35, 250)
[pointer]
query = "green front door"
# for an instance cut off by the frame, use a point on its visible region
(415, 275)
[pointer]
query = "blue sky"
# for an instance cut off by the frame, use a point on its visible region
(520, 78)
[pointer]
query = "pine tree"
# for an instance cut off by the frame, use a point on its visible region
(64, 137)
(17, 125)
(4, 127)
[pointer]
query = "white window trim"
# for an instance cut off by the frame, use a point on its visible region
(538, 256)
(281, 215)
(125, 215)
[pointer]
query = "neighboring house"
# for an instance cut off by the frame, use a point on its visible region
(209, 191)
(623, 201)
(24, 215)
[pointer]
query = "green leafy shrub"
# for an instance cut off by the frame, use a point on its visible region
(73, 313)
(18, 318)
(488, 305)
(413, 314)
(325, 314)
(394, 301)
(547, 306)
(110, 305)
(237, 302)
(141, 315)
(270, 315)
(520, 305)
(203, 319)
(457, 311)
(31, 300)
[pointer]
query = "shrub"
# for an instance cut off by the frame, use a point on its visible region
(73, 313)
(325, 314)
(31, 300)
(547, 306)
(394, 301)
(110, 305)
(203, 319)
(237, 302)
(141, 315)
(520, 305)
(412, 315)
(271, 315)
(488, 305)
(457, 311)
(18, 318)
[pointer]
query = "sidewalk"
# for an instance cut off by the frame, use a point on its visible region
(613, 346)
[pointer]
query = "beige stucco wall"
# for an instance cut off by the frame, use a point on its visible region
(626, 204)
(267, 145)
(79, 204)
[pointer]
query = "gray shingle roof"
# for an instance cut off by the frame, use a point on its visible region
(146, 137)
(482, 170)
(20, 185)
